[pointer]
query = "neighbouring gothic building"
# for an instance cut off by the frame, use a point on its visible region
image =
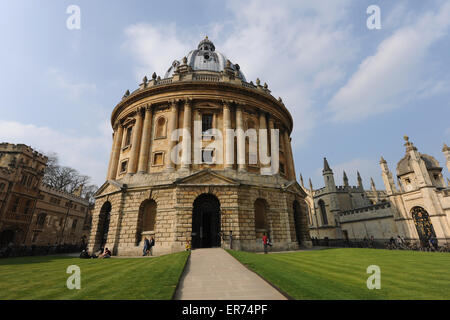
(152, 191)
(416, 208)
(32, 213)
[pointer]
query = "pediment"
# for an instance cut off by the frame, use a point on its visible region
(295, 187)
(206, 177)
(110, 186)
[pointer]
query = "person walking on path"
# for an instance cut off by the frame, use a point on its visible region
(265, 242)
(231, 239)
(146, 247)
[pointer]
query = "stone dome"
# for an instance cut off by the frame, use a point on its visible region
(404, 166)
(205, 58)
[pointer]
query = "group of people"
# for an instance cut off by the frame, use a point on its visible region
(148, 246)
(101, 254)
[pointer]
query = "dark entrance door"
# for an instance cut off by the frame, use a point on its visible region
(206, 222)
(423, 224)
(297, 221)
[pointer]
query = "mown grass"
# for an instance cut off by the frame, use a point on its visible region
(126, 278)
(341, 273)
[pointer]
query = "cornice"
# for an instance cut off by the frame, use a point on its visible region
(180, 86)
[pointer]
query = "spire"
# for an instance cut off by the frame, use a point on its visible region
(326, 166)
(359, 180)
(372, 184)
(446, 148)
(310, 185)
(345, 179)
(301, 180)
(382, 160)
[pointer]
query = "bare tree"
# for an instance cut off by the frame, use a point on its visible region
(67, 179)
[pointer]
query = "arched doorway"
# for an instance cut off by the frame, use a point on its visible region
(147, 220)
(6, 237)
(423, 224)
(297, 220)
(103, 223)
(260, 208)
(206, 222)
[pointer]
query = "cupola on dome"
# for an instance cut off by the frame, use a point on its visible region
(205, 58)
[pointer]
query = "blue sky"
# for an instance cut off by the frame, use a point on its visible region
(353, 92)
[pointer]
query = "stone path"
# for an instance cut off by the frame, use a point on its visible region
(213, 274)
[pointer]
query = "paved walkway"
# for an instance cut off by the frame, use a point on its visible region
(213, 274)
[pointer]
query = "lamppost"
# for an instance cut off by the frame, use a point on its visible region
(69, 204)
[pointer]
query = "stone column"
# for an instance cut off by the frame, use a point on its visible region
(115, 154)
(187, 135)
(145, 142)
(228, 140)
(263, 139)
(124, 138)
(197, 137)
(173, 122)
(240, 139)
(135, 144)
(290, 157)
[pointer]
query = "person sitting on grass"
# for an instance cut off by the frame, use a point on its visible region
(105, 254)
(84, 254)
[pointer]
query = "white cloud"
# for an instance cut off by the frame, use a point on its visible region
(392, 76)
(74, 90)
(289, 45)
(154, 47)
(89, 155)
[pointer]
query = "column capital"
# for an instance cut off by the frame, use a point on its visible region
(188, 101)
(149, 107)
(116, 125)
(139, 110)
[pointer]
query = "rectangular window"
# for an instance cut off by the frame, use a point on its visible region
(128, 137)
(74, 225)
(207, 120)
(158, 159)
(123, 166)
(282, 169)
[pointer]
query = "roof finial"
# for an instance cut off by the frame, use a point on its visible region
(409, 145)
(446, 148)
(382, 160)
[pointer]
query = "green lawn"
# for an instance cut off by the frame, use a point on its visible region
(341, 273)
(127, 278)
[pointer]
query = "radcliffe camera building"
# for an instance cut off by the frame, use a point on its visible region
(187, 194)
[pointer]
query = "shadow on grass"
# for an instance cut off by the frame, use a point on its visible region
(31, 260)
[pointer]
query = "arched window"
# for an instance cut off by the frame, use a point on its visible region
(160, 130)
(128, 136)
(323, 212)
(147, 219)
(260, 208)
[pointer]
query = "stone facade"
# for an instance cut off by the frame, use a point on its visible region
(417, 208)
(32, 213)
(148, 187)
